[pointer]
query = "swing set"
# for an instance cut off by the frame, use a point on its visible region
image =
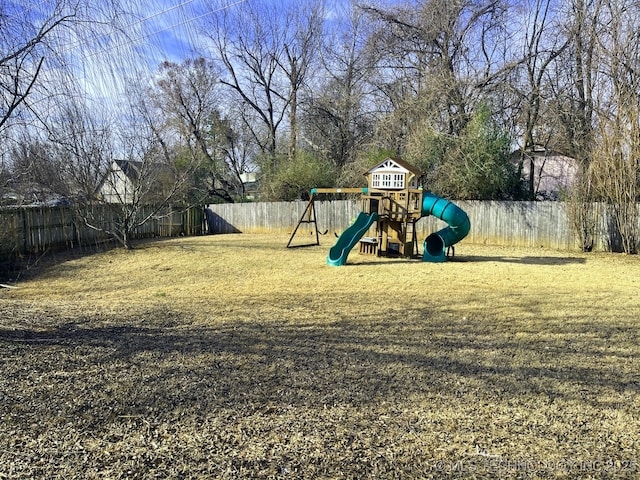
(309, 215)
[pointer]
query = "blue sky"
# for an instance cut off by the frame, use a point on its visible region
(152, 32)
(155, 31)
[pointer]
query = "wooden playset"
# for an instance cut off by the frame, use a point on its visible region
(391, 205)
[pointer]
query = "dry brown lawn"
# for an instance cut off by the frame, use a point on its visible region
(233, 357)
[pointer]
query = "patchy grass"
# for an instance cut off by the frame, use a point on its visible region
(233, 357)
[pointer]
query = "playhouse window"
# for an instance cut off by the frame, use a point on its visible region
(398, 180)
(387, 180)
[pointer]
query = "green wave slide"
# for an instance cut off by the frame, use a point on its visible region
(435, 245)
(340, 251)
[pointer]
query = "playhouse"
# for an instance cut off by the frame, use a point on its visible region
(392, 203)
(394, 195)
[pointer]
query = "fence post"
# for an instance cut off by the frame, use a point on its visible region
(25, 229)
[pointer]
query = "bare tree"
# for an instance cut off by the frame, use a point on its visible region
(37, 172)
(116, 178)
(267, 51)
(337, 121)
(542, 45)
(435, 62)
(572, 112)
(27, 35)
(616, 160)
(133, 190)
(249, 43)
(239, 149)
(185, 102)
(444, 67)
(303, 28)
(584, 33)
(164, 149)
(53, 55)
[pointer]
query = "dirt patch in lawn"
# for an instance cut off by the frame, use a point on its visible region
(233, 357)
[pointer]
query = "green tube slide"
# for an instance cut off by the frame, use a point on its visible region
(435, 245)
(340, 251)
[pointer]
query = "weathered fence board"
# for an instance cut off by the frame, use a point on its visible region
(527, 224)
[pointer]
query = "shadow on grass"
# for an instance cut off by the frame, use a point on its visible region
(475, 258)
(101, 372)
(30, 265)
(521, 260)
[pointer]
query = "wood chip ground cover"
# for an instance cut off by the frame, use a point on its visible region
(233, 357)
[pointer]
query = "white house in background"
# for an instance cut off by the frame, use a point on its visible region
(553, 173)
(119, 183)
(250, 184)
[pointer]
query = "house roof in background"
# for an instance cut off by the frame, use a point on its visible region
(130, 168)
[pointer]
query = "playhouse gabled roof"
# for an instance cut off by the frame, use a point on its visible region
(395, 164)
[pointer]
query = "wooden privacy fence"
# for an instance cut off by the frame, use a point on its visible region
(528, 224)
(37, 229)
